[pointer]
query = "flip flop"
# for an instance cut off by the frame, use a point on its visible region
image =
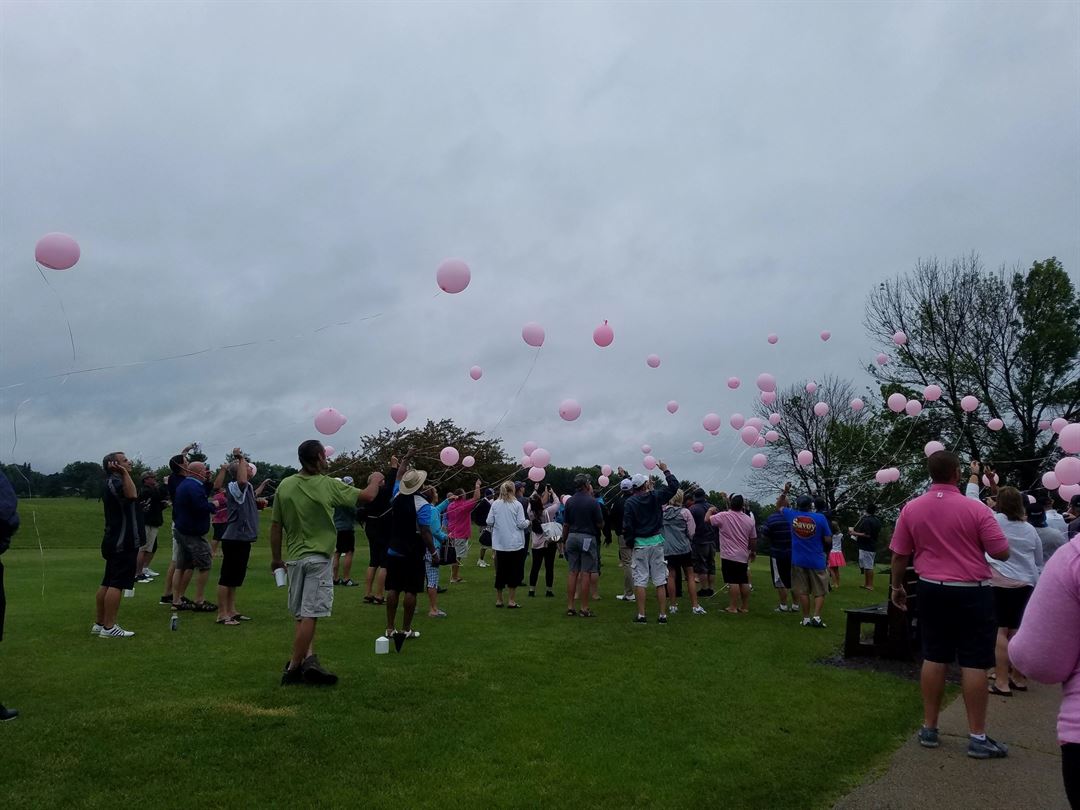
(1016, 687)
(369, 600)
(229, 622)
(732, 610)
(999, 692)
(240, 617)
(587, 614)
(498, 604)
(513, 606)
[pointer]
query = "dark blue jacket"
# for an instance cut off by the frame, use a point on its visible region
(643, 515)
(9, 515)
(192, 509)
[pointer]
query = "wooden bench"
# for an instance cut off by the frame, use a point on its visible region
(878, 616)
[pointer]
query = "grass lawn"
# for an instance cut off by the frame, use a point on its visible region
(489, 707)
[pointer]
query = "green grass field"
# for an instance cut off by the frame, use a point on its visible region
(489, 707)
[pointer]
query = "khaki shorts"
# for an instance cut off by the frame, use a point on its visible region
(648, 566)
(311, 586)
(809, 581)
(150, 546)
(461, 548)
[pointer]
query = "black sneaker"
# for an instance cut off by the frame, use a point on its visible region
(165, 600)
(7, 714)
(349, 583)
(640, 620)
(291, 676)
(661, 619)
(315, 674)
(549, 593)
(440, 589)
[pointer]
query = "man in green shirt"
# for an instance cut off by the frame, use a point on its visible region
(304, 510)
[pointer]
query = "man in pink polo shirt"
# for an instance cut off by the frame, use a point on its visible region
(949, 536)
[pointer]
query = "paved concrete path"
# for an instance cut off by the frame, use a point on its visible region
(945, 777)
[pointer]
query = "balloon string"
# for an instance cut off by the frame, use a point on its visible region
(63, 311)
(516, 393)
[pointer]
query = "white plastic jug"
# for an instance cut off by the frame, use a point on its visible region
(382, 645)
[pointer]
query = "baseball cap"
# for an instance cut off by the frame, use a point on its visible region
(489, 492)
(626, 485)
(519, 485)
(347, 479)
(804, 502)
(638, 480)
(1036, 514)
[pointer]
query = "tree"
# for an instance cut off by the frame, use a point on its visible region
(1011, 339)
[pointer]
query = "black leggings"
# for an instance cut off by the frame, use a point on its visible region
(1070, 769)
(545, 556)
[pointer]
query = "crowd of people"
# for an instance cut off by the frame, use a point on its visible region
(984, 558)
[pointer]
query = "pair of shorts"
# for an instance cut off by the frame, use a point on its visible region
(150, 546)
(461, 548)
(219, 530)
(812, 581)
(648, 566)
(679, 561)
(192, 552)
(866, 560)
(734, 572)
(311, 586)
(120, 569)
(510, 568)
(582, 553)
(1009, 604)
(957, 624)
(175, 545)
(405, 574)
(346, 541)
(431, 572)
(781, 571)
(234, 563)
(704, 556)
(376, 553)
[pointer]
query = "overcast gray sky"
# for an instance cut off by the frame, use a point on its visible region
(698, 174)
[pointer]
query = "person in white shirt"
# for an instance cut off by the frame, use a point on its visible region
(507, 522)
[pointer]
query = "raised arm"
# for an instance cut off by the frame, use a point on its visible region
(476, 493)
(782, 498)
(243, 473)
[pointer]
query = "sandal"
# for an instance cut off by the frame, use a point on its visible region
(369, 600)
(240, 617)
(380, 600)
(999, 692)
(498, 604)
(1017, 687)
(229, 622)
(587, 614)
(571, 612)
(203, 607)
(513, 606)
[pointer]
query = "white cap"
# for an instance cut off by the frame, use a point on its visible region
(347, 479)
(638, 480)
(626, 485)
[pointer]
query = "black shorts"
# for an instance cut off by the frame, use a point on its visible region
(120, 569)
(734, 572)
(219, 529)
(346, 541)
(781, 571)
(234, 563)
(679, 562)
(404, 574)
(704, 556)
(376, 553)
(1009, 604)
(957, 624)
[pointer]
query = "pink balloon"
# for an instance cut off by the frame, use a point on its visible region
(773, 339)
(653, 361)
(525, 462)
(646, 449)
(771, 436)
(760, 442)
(1050, 480)
(737, 420)
(533, 334)
(603, 480)
(328, 450)
(896, 402)
(805, 458)
(711, 421)
(529, 447)
(697, 447)
(768, 397)
(826, 335)
(821, 408)
(603, 335)
(57, 251)
(881, 476)
(1068, 491)
(252, 470)
(1067, 470)
(969, 404)
(856, 404)
(733, 383)
(606, 469)
(894, 474)
(540, 457)
(649, 462)
(756, 421)
(476, 372)
(766, 382)
(932, 393)
(714, 432)
(774, 419)
(672, 406)
(758, 460)
(453, 276)
(995, 424)
(468, 461)
(328, 421)
(398, 413)
(749, 435)
(811, 387)
(537, 474)
(1069, 438)
(882, 359)
(1058, 424)
(569, 410)
(899, 338)
(449, 456)
(1044, 424)
(933, 447)
(913, 407)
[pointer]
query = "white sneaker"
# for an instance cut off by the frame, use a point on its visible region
(481, 564)
(624, 598)
(780, 609)
(150, 573)
(699, 611)
(116, 631)
(672, 609)
(96, 629)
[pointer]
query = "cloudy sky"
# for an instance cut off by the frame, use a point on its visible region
(700, 175)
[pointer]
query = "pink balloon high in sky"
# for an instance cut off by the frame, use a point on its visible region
(653, 361)
(603, 335)
(57, 251)
(453, 276)
(399, 413)
(533, 334)
(569, 410)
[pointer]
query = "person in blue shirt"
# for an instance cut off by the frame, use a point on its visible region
(191, 522)
(778, 530)
(437, 522)
(810, 537)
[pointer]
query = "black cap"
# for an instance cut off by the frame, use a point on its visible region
(804, 502)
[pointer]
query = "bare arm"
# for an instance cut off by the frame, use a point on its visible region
(219, 479)
(782, 498)
(128, 485)
(368, 493)
(476, 490)
(242, 471)
(896, 588)
(259, 489)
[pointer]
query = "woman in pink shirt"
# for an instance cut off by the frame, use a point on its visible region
(459, 527)
(1047, 649)
(738, 536)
